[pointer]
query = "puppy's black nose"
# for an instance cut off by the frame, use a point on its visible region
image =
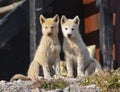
(49, 34)
(69, 35)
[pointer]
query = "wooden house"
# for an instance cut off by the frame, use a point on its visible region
(20, 30)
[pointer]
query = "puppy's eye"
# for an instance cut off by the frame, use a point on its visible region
(52, 27)
(66, 28)
(72, 29)
(46, 27)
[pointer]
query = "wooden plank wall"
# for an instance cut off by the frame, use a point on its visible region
(91, 13)
(115, 5)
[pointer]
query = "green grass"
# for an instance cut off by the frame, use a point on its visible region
(107, 80)
(51, 84)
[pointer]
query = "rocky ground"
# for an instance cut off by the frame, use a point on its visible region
(107, 82)
(27, 86)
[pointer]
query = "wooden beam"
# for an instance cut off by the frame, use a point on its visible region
(10, 7)
(13, 23)
(117, 37)
(106, 33)
(32, 28)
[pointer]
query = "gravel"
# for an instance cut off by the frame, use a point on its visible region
(27, 86)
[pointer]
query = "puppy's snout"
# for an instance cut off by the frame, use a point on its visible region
(69, 35)
(49, 34)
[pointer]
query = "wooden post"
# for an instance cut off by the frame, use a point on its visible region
(32, 22)
(35, 9)
(10, 7)
(117, 39)
(106, 33)
(115, 5)
(39, 10)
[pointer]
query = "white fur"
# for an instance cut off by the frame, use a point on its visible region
(78, 60)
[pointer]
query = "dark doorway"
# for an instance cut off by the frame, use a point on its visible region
(14, 56)
(14, 42)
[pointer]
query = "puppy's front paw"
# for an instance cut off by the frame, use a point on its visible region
(47, 77)
(70, 76)
(81, 76)
(58, 77)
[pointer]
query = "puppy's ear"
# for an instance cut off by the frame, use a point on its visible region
(76, 20)
(56, 18)
(63, 19)
(42, 19)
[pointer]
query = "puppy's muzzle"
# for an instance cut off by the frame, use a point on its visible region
(69, 35)
(49, 34)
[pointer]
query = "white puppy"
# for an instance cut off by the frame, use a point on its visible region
(78, 60)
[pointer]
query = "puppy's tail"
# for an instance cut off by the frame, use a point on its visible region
(19, 76)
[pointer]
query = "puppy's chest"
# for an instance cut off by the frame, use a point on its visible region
(74, 49)
(53, 49)
(52, 53)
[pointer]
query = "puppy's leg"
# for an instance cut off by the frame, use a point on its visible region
(70, 71)
(91, 68)
(94, 67)
(45, 65)
(57, 67)
(46, 71)
(80, 67)
(33, 71)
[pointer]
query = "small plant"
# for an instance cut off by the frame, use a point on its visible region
(51, 84)
(107, 80)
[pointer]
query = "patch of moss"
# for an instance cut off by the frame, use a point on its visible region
(51, 84)
(107, 80)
